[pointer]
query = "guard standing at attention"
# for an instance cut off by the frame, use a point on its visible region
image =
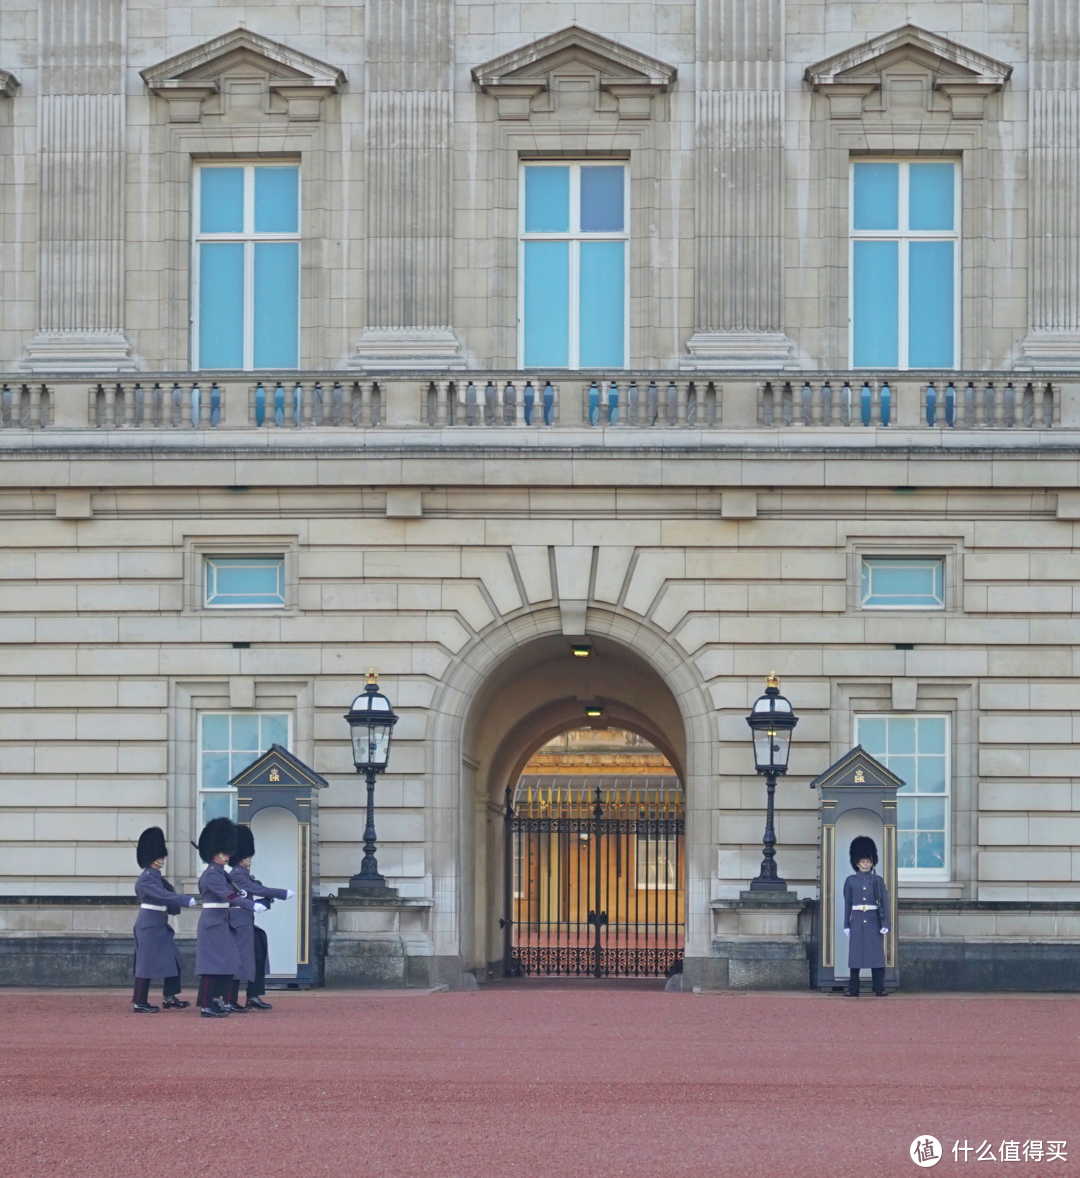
(217, 960)
(155, 948)
(866, 917)
(250, 939)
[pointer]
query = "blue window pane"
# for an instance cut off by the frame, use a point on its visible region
(931, 775)
(245, 733)
(603, 304)
(931, 196)
(221, 200)
(931, 814)
(905, 848)
(221, 305)
(215, 732)
(931, 850)
(277, 203)
(215, 770)
(277, 304)
(872, 735)
(275, 730)
(875, 304)
(876, 202)
(903, 583)
(218, 805)
(547, 303)
(238, 762)
(250, 581)
(905, 813)
(904, 768)
(547, 200)
(902, 737)
(602, 200)
(930, 304)
(932, 735)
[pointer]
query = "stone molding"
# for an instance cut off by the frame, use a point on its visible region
(9, 84)
(631, 78)
(186, 80)
(964, 76)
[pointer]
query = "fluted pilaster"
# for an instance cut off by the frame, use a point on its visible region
(1054, 157)
(740, 185)
(81, 187)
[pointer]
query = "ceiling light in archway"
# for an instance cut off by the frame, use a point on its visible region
(594, 711)
(581, 650)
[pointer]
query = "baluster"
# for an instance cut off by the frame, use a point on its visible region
(470, 404)
(549, 404)
(316, 417)
(260, 404)
(592, 400)
(845, 404)
(950, 405)
(196, 406)
(127, 411)
(931, 404)
(885, 405)
(366, 390)
(991, 398)
(1048, 407)
(826, 404)
(866, 399)
(442, 403)
(613, 404)
(176, 406)
(348, 404)
(816, 413)
(489, 403)
(1009, 408)
(157, 406)
(510, 405)
(682, 398)
(529, 402)
(215, 405)
(301, 406)
(110, 406)
(787, 405)
(970, 405)
(633, 404)
(766, 404)
(279, 405)
(335, 404)
(652, 404)
(140, 407)
(35, 406)
(800, 409)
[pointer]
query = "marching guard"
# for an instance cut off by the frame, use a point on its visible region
(866, 917)
(250, 939)
(217, 959)
(155, 947)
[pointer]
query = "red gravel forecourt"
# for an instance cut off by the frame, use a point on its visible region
(534, 1081)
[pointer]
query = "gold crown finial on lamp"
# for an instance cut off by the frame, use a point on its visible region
(773, 680)
(372, 676)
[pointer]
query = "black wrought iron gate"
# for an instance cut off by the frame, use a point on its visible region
(594, 880)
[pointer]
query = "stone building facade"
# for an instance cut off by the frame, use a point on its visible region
(437, 336)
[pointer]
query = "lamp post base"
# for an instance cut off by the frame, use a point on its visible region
(768, 885)
(365, 888)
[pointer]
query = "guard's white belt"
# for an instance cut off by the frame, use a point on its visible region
(854, 907)
(154, 907)
(215, 905)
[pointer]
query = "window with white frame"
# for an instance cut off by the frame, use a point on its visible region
(905, 264)
(228, 743)
(656, 865)
(916, 749)
(246, 265)
(573, 264)
(903, 582)
(244, 582)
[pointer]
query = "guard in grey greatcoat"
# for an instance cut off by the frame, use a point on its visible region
(250, 939)
(866, 917)
(216, 956)
(155, 949)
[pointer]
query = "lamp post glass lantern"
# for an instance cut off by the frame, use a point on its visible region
(771, 723)
(371, 722)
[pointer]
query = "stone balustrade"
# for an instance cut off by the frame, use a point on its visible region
(520, 400)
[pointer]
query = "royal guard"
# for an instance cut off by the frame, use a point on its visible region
(250, 939)
(217, 960)
(155, 948)
(866, 917)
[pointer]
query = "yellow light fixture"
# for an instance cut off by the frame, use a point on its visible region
(594, 711)
(581, 651)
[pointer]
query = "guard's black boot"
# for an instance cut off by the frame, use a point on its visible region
(258, 1004)
(220, 1005)
(232, 1008)
(213, 1012)
(174, 1003)
(144, 1008)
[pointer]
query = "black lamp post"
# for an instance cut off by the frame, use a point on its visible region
(771, 722)
(371, 723)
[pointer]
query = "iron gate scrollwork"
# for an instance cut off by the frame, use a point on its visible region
(594, 879)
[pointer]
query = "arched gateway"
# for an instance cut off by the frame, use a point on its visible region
(501, 701)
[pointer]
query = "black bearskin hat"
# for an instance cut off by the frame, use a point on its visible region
(863, 848)
(245, 845)
(218, 838)
(151, 846)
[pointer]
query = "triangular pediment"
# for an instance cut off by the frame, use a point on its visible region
(205, 63)
(909, 44)
(575, 46)
(278, 767)
(856, 769)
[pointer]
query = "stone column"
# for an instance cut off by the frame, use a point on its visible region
(407, 184)
(80, 188)
(740, 186)
(1053, 339)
